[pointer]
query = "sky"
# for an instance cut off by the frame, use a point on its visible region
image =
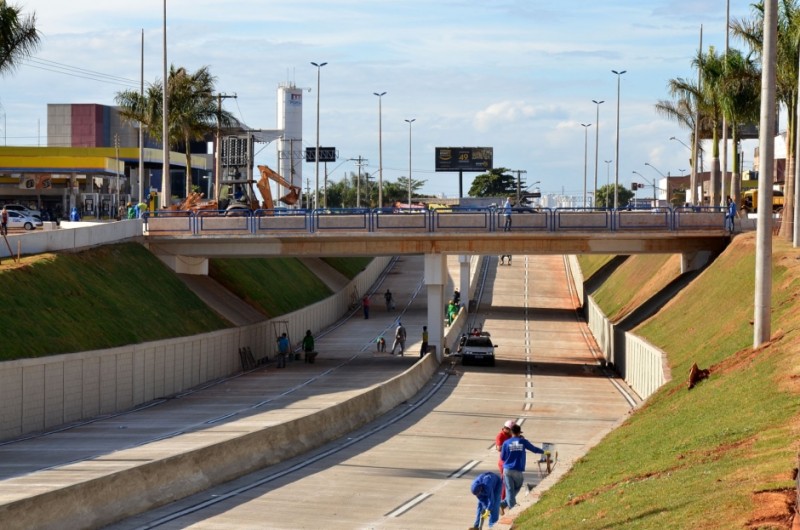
(515, 75)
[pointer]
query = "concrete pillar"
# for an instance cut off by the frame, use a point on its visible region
(464, 280)
(691, 261)
(435, 281)
(185, 264)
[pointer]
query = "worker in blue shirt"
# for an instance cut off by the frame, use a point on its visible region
(487, 487)
(513, 456)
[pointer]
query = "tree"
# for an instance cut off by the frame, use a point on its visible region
(605, 196)
(740, 101)
(193, 111)
(751, 32)
(18, 37)
(495, 183)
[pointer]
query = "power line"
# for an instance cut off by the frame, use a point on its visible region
(82, 73)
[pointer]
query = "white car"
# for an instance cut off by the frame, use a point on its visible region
(23, 210)
(20, 220)
(477, 348)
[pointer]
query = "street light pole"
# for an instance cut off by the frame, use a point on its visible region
(166, 187)
(412, 120)
(585, 156)
(662, 175)
(608, 182)
(380, 148)
(616, 171)
(652, 183)
(316, 154)
(596, 144)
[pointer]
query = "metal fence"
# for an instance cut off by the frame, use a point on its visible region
(482, 220)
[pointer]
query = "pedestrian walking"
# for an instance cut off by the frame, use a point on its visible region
(283, 350)
(507, 214)
(380, 344)
(308, 346)
(730, 214)
(487, 488)
(513, 456)
(424, 348)
(389, 300)
(365, 306)
(499, 440)
(4, 221)
(399, 338)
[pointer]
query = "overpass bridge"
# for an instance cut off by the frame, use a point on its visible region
(186, 240)
(390, 232)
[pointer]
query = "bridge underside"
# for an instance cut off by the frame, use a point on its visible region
(383, 244)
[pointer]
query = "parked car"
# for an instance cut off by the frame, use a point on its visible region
(23, 210)
(20, 220)
(477, 348)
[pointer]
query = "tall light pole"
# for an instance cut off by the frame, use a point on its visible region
(766, 164)
(316, 154)
(616, 170)
(380, 148)
(608, 182)
(585, 156)
(596, 144)
(660, 173)
(412, 120)
(166, 188)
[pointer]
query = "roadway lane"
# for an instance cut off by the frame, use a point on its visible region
(412, 468)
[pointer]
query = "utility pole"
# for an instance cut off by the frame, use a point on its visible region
(218, 146)
(519, 184)
(116, 169)
(360, 161)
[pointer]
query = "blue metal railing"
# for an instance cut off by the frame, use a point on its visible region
(324, 220)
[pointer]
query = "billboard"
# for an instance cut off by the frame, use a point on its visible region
(326, 154)
(478, 159)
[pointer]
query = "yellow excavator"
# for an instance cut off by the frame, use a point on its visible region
(268, 174)
(236, 196)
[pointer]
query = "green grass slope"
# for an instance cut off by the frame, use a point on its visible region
(720, 455)
(274, 286)
(121, 294)
(101, 298)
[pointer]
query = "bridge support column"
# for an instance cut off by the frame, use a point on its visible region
(691, 261)
(185, 264)
(435, 281)
(463, 280)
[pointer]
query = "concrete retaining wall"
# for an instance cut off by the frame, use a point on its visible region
(42, 393)
(643, 366)
(72, 237)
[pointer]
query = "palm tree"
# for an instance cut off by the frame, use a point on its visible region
(193, 111)
(740, 102)
(18, 37)
(688, 107)
(751, 32)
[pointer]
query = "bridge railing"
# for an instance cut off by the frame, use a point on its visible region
(698, 217)
(444, 220)
(462, 219)
(591, 219)
(525, 219)
(659, 218)
(407, 220)
(282, 220)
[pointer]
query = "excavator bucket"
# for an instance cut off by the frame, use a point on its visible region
(292, 197)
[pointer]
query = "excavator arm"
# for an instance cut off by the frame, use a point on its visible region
(268, 174)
